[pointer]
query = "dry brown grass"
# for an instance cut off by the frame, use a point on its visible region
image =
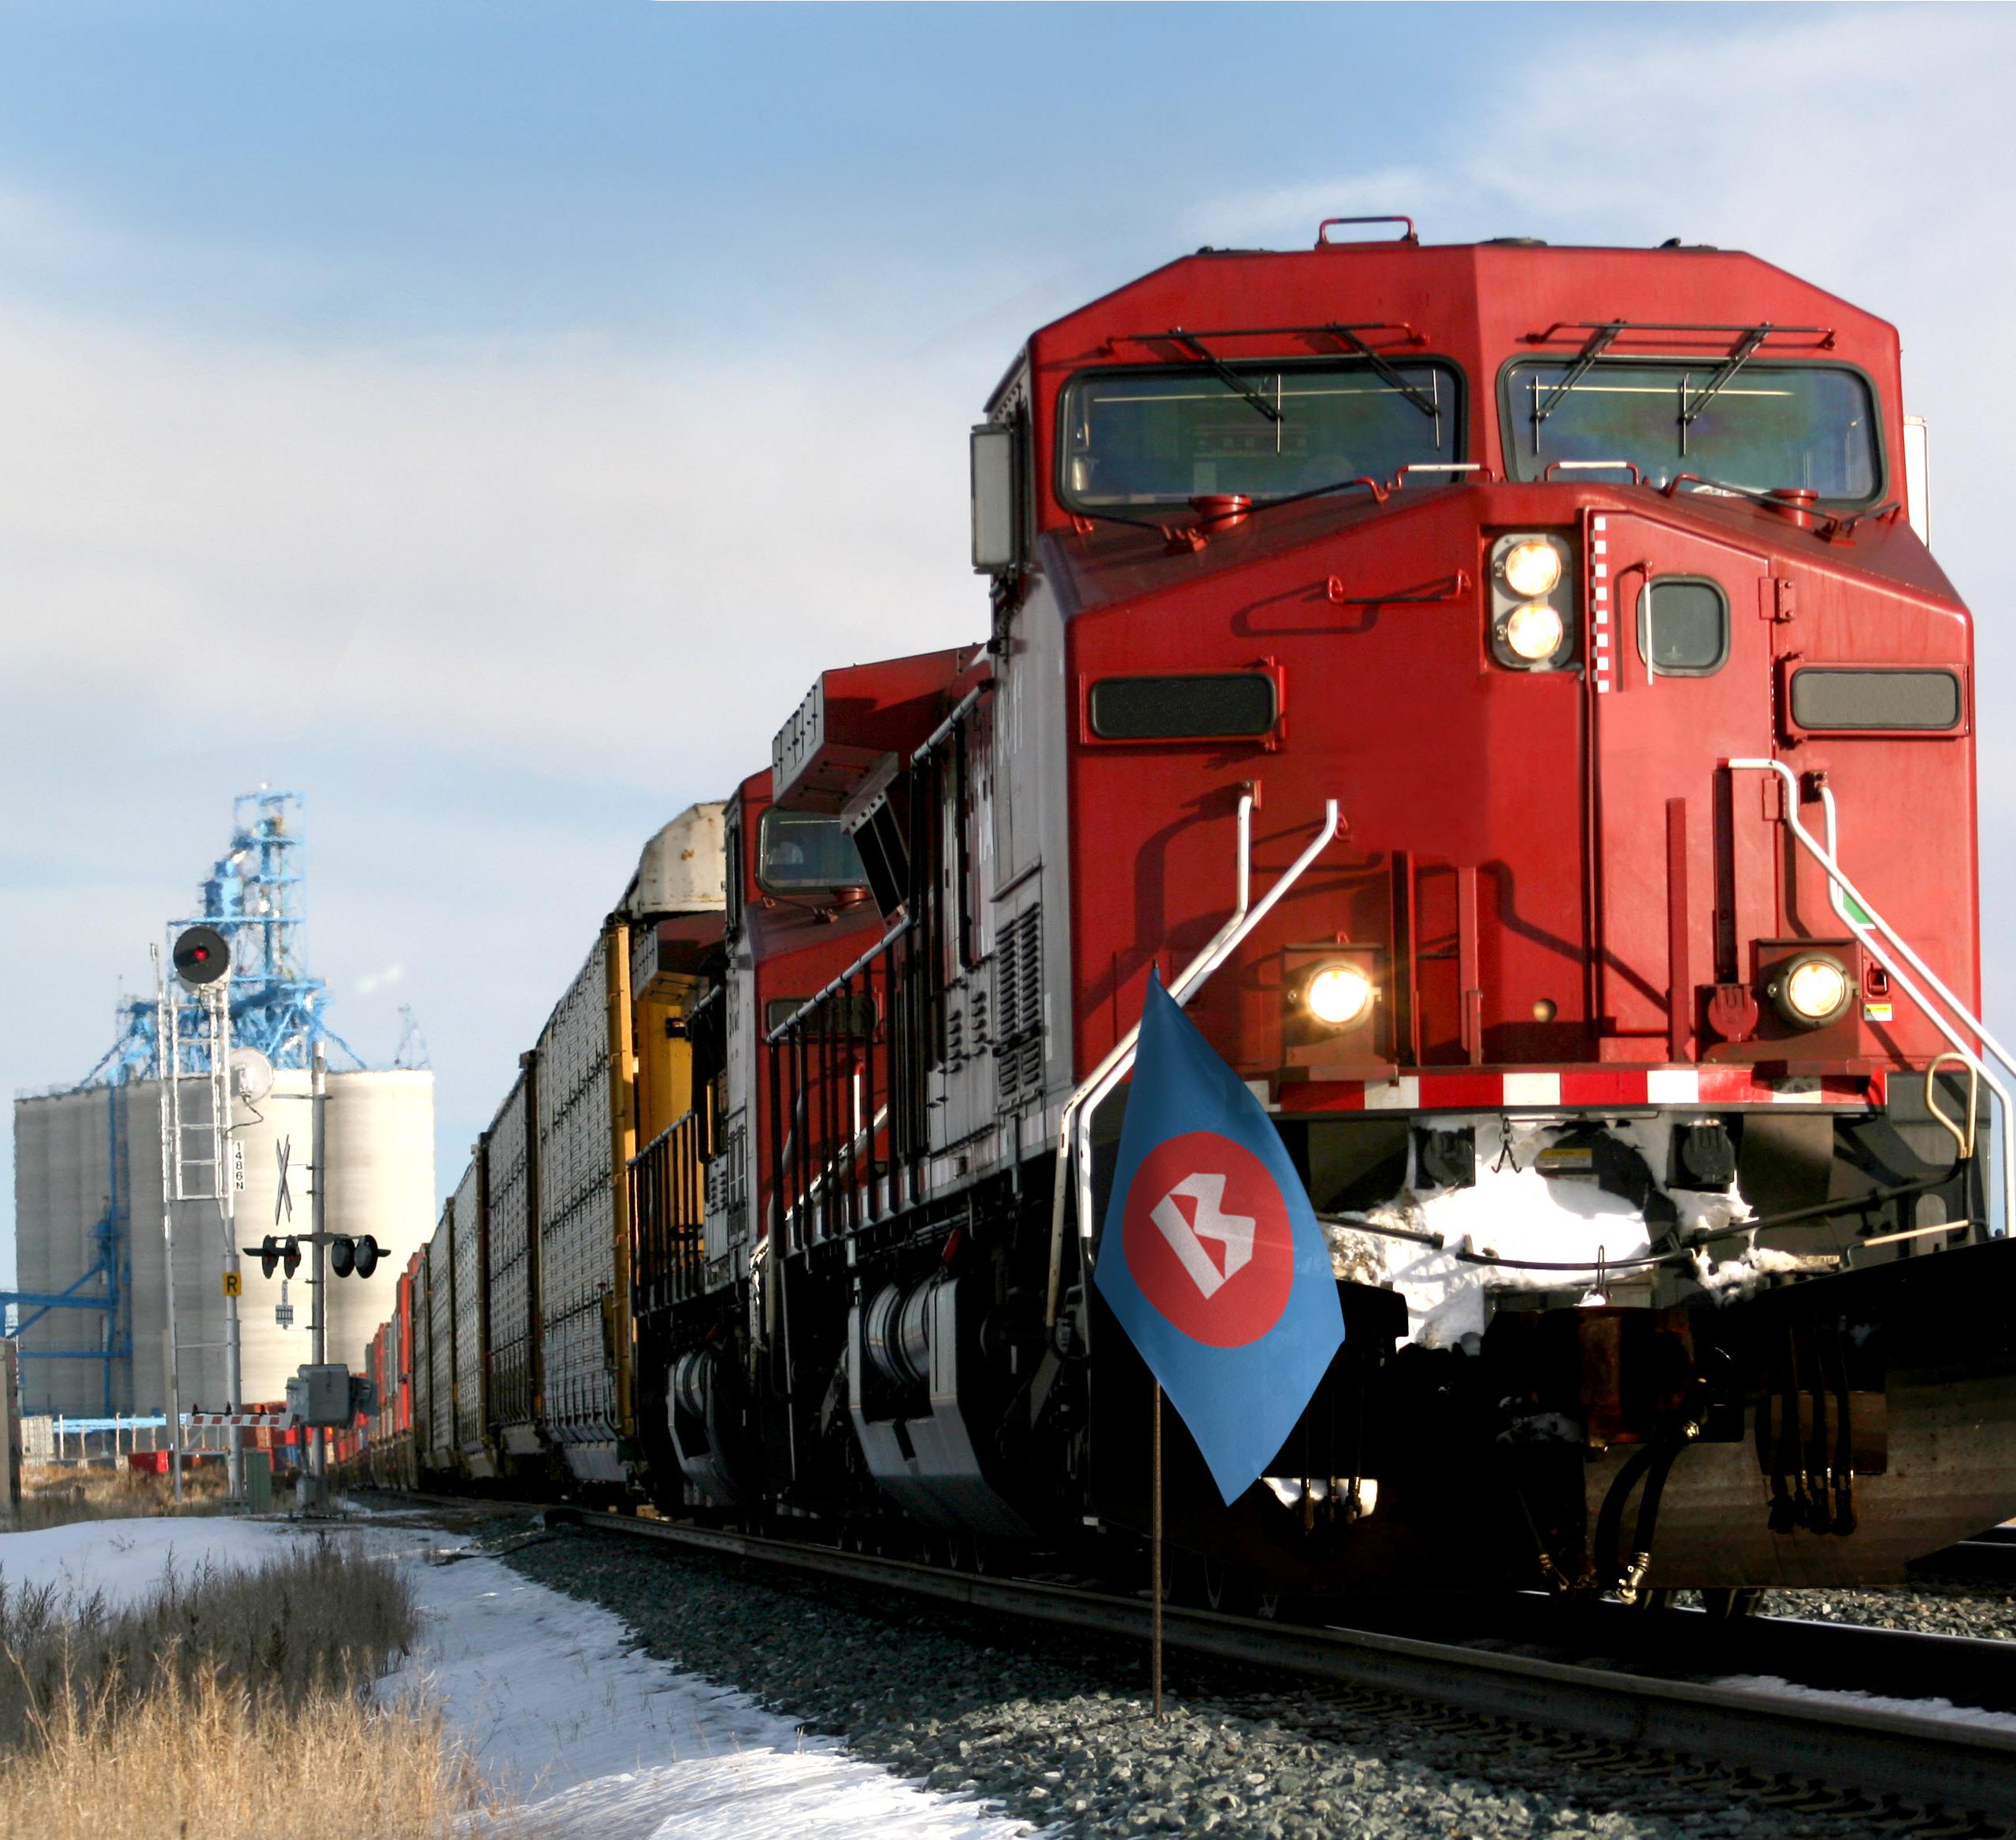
(52, 1495)
(202, 1759)
(231, 1705)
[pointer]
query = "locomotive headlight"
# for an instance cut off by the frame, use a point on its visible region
(1811, 990)
(1533, 631)
(1338, 996)
(1531, 569)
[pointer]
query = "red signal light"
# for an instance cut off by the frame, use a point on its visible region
(201, 956)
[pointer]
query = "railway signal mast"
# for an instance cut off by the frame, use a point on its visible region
(197, 1163)
(322, 1394)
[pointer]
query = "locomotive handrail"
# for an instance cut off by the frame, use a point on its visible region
(1554, 466)
(1846, 900)
(1410, 235)
(1400, 478)
(1074, 1151)
(797, 1018)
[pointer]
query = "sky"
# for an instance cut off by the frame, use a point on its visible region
(486, 417)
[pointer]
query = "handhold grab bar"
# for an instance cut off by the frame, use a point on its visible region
(1074, 1137)
(1866, 930)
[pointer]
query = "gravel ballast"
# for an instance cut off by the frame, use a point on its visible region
(1986, 1609)
(1053, 1727)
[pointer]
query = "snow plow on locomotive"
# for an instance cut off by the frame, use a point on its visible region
(1507, 692)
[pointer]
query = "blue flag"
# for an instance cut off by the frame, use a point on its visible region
(1211, 1257)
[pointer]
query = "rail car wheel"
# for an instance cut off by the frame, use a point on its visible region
(1226, 1588)
(974, 1552)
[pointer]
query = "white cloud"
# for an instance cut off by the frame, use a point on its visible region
(544, 552)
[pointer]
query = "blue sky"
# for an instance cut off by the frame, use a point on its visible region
(486, 417)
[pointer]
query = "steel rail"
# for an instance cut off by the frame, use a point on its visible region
(1920, 1759)
(1917, 1758)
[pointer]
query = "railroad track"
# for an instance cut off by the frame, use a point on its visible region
(1639, 1683)
(1992, 1556)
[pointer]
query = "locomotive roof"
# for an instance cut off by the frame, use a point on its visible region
(1507, 281)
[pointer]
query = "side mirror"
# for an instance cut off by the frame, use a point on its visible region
(996, 527)
(1918, 476)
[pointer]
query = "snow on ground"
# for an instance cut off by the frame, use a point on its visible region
(125, 1558)
(599, 1740)
(1942, 1711)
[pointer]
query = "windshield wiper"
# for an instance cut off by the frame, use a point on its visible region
(1226, 375)
(1740, 355)
(1600, 337)
(1389, 377)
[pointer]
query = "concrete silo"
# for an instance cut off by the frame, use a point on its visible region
(67, 1149)
(89, 1202)
(380, 1132)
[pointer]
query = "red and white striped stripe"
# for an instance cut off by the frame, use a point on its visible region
(273, 1421)
(1601, 657)
(1588, 1089)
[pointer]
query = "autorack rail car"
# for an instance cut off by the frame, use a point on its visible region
(1506, 692)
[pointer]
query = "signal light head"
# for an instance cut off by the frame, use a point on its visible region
(291, 1255)
(200, 955)
(1338, 996)
(364, 1258)
(1812, 990)
(343, 1255)
(269, 1255)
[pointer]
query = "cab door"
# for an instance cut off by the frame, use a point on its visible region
(1679, 682)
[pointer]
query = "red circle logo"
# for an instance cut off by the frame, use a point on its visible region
(1208, 1239)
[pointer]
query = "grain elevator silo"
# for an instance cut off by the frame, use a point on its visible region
(90, 1237)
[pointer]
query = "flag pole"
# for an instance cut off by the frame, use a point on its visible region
(1155, 1548)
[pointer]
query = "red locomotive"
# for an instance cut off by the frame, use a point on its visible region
(1506, 691)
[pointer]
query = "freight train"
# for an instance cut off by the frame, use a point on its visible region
(1507, 692)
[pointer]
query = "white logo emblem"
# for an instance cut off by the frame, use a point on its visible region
(1234, 1231)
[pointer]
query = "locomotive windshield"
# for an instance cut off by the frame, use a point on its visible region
(1768, 425)
(1167, 435)
(800, 849)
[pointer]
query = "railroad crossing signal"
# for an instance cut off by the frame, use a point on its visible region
(282, 1201)
(271, 1252)
(234, 1284)
(349, 1255)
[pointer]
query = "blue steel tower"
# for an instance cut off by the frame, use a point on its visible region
(254, 896)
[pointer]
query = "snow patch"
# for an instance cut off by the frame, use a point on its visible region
(1943, 1710)
(1513, 1211)
(599, 1740)
(125, 1560)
